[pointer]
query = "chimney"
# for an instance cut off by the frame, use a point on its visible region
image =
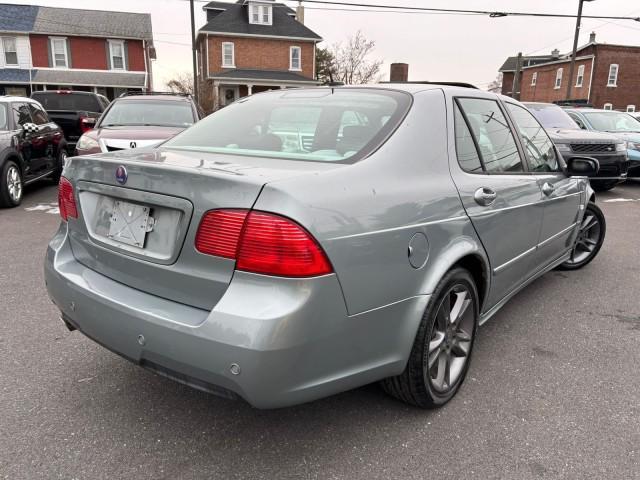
(399, 72)
(300, 13)
(592, 37)
(555, 53)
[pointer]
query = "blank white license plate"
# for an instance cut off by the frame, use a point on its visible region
(129, 223)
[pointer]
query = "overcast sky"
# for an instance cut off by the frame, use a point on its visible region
(465, 48)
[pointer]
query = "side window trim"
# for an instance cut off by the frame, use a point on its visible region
(526, 170)
(473, 137)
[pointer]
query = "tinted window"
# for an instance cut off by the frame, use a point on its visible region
(537, 145)
(4, 119)
(551, 116)
(167, 113)
(468, 157)
(612, 121)
(21, 113)
(330, 125)
(39, 116)
(493, 135)
(67, 101)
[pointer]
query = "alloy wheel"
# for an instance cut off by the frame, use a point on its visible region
(14, 184)
(451, 339)
(587, 240)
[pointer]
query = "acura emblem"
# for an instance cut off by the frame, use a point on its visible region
(121, 175)
(132, 145)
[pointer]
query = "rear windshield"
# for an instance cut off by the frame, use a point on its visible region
(148, 112)
(3, 117)
(552, 116)
(613, 121)
(322, 124)
(67, 101)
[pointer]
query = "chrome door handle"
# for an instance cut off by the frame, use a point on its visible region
(547, 188)
(485, 196)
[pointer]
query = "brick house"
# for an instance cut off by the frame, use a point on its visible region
(45, 48)
(251, 46)
(606, 76)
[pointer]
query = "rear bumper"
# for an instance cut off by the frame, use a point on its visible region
(291, 339)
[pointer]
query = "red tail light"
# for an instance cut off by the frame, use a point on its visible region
(66, 200)
(262, 243)
(86, 124)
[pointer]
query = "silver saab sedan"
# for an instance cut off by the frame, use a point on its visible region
(299, 243)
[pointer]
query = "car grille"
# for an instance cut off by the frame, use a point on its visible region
(593, 147)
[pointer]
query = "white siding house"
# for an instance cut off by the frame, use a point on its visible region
(22, 57)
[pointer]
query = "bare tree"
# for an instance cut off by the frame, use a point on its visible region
(351, 62)
(495, 86)
(181, 83)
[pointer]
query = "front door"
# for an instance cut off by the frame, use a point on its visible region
(49, 135)
(502, 199)
(32, 145)
(561, 194)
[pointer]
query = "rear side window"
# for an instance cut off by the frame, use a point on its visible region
(4, 119)
(67, 101)
(468, 157)
(322, 124)
(491, 131)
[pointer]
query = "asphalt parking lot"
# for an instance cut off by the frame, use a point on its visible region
(553, 390)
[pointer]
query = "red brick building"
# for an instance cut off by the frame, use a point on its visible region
(45, 48)
(605, 76)
(251, 46)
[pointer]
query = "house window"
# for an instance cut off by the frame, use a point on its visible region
(613, 75)
(534, 79)
(580, 77)
(228, 55)
(260, 14)
(10, 52)
(631, 108)
(116, 53)
(59, 54)
(295, 61)
(608, 106)
(558, 78)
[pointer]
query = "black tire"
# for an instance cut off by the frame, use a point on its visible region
(589, 240)
(60, 161)
(415, 385)
(10, 191)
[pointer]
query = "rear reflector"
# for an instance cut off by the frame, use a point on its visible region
(66, 200)
(262, 242)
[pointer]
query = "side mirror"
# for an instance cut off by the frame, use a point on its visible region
(30, 128)
(583, 166)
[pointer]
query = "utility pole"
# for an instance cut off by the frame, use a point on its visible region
(193, 48)
(572, 67)
(516, 78)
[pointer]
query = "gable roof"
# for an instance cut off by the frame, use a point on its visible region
(17, 18)
(234, 20)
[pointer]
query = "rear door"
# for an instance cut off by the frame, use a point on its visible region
(48, 134)
(561, 194)
(502, 199)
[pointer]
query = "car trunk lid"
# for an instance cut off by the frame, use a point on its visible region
(140, 211)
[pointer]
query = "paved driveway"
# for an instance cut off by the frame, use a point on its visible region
(553, 390)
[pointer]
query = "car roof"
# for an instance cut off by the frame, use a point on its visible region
(63, 91)
(171, 98)
(594, 110)
(9, 98)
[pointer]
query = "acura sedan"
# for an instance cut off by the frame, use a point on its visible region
(300, 243)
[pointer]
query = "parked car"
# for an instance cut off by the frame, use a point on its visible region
(75, 112)
(137, 120)
(243, 264)
(609, 150)
(32, 147)
(620, 124)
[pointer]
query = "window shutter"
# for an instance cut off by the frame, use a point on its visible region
(125, 52)
(69, 54)
(108, 50)
(49, 54)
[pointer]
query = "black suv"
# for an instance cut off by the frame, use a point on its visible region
(31, 147)
(75, 112)
(571, 141)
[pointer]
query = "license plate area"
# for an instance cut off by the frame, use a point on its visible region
(130, 223)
